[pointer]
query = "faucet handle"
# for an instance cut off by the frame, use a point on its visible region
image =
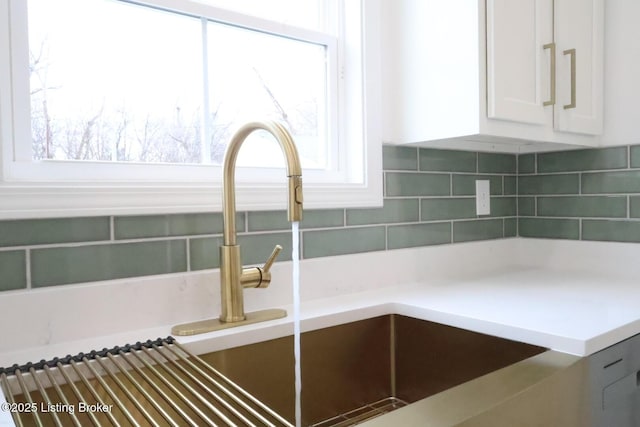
(271, 259)
(259, 277)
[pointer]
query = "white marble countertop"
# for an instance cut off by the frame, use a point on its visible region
(569, 312)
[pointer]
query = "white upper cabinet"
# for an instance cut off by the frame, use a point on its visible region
(514, 74)
(579, 39)
(519, 49)
(546, 70)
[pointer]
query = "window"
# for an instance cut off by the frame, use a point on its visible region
(136, 101)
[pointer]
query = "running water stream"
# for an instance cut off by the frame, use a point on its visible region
(295, 256)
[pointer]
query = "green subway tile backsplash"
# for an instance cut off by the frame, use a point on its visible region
(549, 228)
(510, 187)
(417, 184)
(448, 208)
(432, 159)
(438, 209)
(526, 206)
(413, 235)
(483, 229)
(635, 156)
(62, 265)
(504, 206)
(204, 253)
(548, 184)
(589, 194)
(13, 270)
(634, 208)
(510, 227)
(598, 200)
(256, 248)
(137, 227)
(278, 220)
(397, 157)
(322, 218)
(51, 231)
(583, 160)
(393, 211)
(611, 231)
(611, 182)
(583, 206)
(465, 185)
(497, 163)
(344, 241)
(267, 221)
(526, 163)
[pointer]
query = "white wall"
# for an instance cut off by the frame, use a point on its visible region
(622, 72)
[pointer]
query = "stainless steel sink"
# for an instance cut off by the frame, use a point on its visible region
(359, 370)
(350, 373)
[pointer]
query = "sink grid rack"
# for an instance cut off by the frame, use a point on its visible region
(155, 383)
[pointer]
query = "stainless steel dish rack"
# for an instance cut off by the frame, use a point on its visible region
(155, 383)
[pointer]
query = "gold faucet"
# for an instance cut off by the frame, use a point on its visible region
(233, 277)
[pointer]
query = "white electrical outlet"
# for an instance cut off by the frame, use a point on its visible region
(483, 197)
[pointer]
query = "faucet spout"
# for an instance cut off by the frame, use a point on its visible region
(294, 174)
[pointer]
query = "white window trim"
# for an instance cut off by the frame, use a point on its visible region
(361, 109)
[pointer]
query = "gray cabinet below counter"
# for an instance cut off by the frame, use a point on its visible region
(615, 381)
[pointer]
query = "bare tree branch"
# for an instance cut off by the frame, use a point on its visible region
(281, 111)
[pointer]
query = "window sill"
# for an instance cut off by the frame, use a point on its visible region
(48, 201)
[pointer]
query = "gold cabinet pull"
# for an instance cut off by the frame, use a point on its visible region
(572, 52)
(552, 74)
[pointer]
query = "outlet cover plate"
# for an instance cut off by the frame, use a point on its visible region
(483, 197)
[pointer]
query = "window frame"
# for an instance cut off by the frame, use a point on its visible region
(27, 191)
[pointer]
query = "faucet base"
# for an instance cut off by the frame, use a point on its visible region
(210, 325)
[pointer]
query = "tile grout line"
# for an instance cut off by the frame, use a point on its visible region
(434, 172)
(451, 232)
(188, 253)
(386, 237)
(580, 229)
(586, 218)
(574, 171)
(384, 185)
(103, 242)
(517, 197)
(580, 184)
(27, 259)
(451, 184)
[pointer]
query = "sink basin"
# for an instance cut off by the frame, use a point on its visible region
(351, 373)
(358, 370)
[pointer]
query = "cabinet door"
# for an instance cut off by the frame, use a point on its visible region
(579, 26)
(518, 65)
